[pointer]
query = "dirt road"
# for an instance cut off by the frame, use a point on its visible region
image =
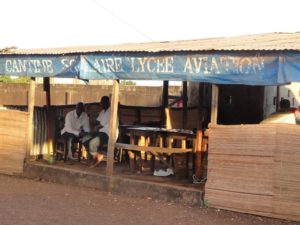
(30, 202)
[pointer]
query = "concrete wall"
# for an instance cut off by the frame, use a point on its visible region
(62, 94)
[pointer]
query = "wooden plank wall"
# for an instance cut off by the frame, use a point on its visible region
(286, 173)
(255, 169)
(13, 140)
(176, 118)
(135, 115)
(130, 115)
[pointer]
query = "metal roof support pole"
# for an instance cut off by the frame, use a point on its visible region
(184, 103)
(112, 127)
(214, 104)
(30, 103)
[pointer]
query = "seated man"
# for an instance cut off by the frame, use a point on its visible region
(76, 126)
(96, 144)
(285, 114)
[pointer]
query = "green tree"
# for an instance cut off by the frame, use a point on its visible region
(128, 82)
(9, 79)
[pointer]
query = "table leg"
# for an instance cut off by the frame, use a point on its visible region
(147, 143)
(183, 146)
(198, 155)
(157, 141)
(131, 155)
(142, 142)
(170, 141)
(183, 143)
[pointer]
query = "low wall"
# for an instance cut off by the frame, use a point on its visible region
(255, 169)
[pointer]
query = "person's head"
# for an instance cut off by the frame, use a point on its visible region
(284, 105)
(104, 102)
(79, 108)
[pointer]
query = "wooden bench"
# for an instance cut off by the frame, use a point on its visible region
(156, 151)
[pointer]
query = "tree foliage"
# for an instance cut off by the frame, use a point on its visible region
(9, 79)
(128, 83)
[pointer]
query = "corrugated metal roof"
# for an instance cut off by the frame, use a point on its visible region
(267, 42)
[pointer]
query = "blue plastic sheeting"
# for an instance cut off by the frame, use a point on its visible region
(250, 68)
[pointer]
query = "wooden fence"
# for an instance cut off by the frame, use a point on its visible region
(13, 140)
(255, 169)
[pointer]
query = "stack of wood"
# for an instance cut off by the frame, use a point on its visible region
(13, 140)
(255, 169)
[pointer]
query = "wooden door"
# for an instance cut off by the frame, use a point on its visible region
(240, 104)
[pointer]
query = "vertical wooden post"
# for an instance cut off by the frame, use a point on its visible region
(30, 103)
(112, 128)
(46, 87)
(165, 102)
(184, 104)
(50, 118)
(168, 123)
(214, 104)
(199, 135)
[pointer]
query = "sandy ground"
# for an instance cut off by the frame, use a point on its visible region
(32, 202)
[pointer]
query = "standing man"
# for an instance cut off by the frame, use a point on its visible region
(98, 145)
(76, 126)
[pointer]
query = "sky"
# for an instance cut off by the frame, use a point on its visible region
(64, 23)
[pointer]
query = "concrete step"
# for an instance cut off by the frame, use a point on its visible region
(114, 184)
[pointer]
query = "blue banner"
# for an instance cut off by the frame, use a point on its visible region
(250, 68)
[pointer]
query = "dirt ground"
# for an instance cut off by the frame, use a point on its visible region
(29, 202)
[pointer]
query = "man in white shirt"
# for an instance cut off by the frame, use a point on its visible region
(76, 126)
(97, 146)
(285, 114)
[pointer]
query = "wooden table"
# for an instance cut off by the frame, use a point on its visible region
(156, 141)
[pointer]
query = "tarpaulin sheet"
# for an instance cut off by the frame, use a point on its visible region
(250, 68)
